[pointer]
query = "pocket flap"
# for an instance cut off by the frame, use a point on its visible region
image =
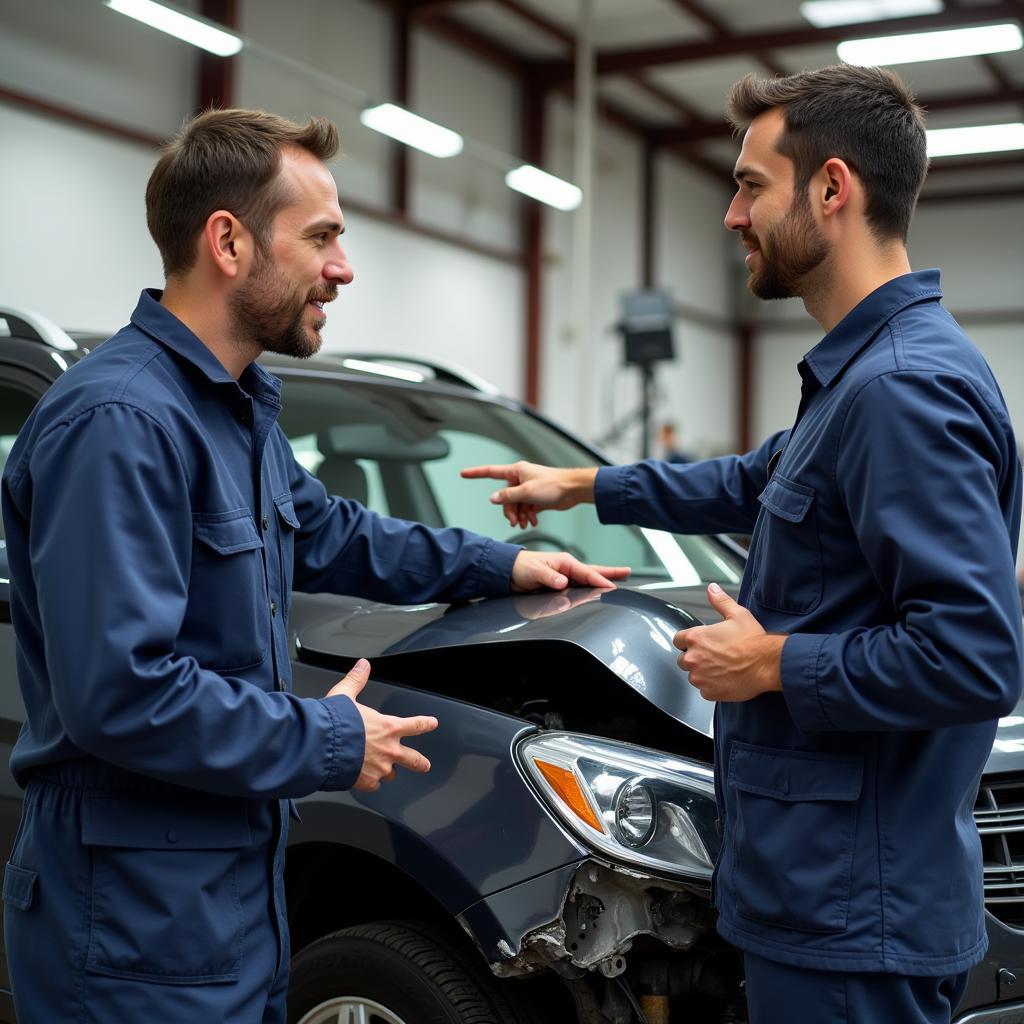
(795, 775)
(131, 821)
(286, 510)
(228, 535)
(19, 886)
(786, 499)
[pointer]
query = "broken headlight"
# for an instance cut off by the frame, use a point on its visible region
(635, 805)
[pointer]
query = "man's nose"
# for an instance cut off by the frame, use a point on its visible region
(736, 217)
(339, 269)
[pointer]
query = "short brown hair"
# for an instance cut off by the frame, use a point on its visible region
(225, 159)
(865, 116)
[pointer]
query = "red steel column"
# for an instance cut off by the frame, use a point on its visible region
(217, 74)
(533, 241)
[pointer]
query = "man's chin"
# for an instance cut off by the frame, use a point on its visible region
(768, 289)
(313, 343)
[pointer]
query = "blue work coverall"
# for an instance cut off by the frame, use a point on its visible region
(156, 524)
(883, 545)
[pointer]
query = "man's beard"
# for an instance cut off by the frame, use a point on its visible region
(795, 248)
(265, 312)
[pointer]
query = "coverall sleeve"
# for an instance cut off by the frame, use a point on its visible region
(343, 548)
(931, 527)
(110, 546)
(712, 496)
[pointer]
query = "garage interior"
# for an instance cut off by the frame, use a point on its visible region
(449, 260)
(622, 102)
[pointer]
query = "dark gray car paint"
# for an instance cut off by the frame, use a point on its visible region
(628, 631)
(442, 828)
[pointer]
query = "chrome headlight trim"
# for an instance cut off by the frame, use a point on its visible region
(683, 837)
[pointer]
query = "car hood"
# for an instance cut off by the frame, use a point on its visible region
(629, 631)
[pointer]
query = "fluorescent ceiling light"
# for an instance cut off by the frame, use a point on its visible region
(958, 42)
(412, 129)
(989, 138)
(191, 30)
(826, 13)
(538, 184)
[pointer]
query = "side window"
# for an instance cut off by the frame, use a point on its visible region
(360, 480)
(463, 502)
(15, 405)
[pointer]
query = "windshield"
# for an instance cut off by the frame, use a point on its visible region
(399, 452)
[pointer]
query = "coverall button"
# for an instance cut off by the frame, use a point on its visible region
(273, 608)
(172, 835)
(265, 523)
(785, 787)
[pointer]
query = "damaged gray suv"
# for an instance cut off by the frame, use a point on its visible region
(555, 864)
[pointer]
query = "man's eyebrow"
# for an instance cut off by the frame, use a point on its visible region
(742, 173)
(326, 225)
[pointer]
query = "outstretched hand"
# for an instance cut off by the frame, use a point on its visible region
(554, 570)
(732, 660)
(534, 488)
(384, 734)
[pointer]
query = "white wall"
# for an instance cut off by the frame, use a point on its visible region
(977, 246)
(74, 242)
(417, 296)
(464, 194)
(581, 382)
(698, 389)
(87, 57)
(341, 39)
(692, 257)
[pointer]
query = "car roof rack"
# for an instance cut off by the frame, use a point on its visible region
(23, 323)
(444, 372)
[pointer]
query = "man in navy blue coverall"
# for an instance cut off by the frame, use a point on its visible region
(156, 525)
(877, 636)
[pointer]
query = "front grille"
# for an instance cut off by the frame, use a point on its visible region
(999, 814)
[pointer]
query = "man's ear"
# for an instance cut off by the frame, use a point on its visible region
(835, 184)
(227, 242)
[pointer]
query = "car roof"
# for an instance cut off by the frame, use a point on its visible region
(33, 340)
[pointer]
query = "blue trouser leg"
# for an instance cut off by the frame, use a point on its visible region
(780, 994)
(58, 924)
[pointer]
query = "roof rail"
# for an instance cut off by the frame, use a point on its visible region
(442, 371)
(23, 323)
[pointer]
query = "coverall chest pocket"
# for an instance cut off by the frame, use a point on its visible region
(793, 818)
(788, 576)
(226, 626)
(164, 899)
(287, 524)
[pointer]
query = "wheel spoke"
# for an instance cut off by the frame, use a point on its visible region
(353, 1014)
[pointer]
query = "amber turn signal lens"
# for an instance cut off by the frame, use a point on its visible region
(567, 787)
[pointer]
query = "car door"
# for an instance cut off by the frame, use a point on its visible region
(20, 389)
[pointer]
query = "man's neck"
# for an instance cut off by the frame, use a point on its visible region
(210, 322)
(853, 275)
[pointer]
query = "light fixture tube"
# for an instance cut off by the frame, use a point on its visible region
(826, 13)
(546, 188)
(191, 30)
(413, 130)
(988, 138)
(909, 49)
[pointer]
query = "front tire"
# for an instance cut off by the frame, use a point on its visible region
(397, 973)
